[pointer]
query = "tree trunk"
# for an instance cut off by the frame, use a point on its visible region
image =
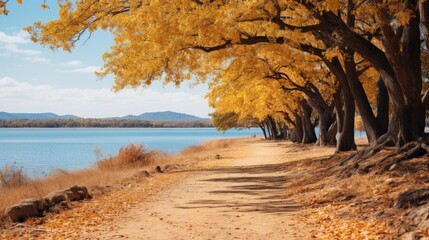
(297, 133)
(372, 128)
(382, 107)
(285, 132)
(261, 125)
(393, 68)
(325, 122)
(345, 113)
(309, 133)
(332, 133)
(405, 62)
(324, 112)
(268, 127)
(273, 126)
(346, 138)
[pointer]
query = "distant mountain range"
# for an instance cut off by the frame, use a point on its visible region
(33, 116)
(167, 116)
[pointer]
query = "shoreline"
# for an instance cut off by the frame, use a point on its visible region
(41, 150)
(112, 128)
(298, 187)
(94, 176)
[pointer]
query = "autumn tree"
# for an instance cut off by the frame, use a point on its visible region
(230, 120)
(185, 39)
(248, 95)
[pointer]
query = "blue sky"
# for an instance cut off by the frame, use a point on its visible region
(37, 79)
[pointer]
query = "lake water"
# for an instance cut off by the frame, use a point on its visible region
(40, 151)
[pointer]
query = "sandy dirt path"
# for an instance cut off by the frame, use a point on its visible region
(237, 197)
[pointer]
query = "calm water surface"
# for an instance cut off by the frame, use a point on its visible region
(40, 151)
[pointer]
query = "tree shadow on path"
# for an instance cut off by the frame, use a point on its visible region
(254, 188)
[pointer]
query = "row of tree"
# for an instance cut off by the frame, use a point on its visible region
(289, 65)
(99, 123)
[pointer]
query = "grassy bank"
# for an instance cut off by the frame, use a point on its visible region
(109, 171)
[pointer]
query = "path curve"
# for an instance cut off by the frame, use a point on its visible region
(240, 198)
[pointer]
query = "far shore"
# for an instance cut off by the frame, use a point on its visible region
(100, 123)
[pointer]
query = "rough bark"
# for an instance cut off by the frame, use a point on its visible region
(346, 111)
(309, 133)
(382, 107)
(346, 138)
(285, 132)
(297, 133)
(264, 131)
(268, 127)
(325, 116)
(273, 128)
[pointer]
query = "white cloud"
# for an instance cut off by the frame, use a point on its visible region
(37, 59)
(73, 63)
(19, 38)
(89, 69)
(8, 81)
(13, 48)
(17, 96)
(10, 43)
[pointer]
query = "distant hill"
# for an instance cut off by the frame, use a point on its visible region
(167, 116)
(12, 116)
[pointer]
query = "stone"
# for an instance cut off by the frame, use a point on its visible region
(35, 207)
(74, 193)
(55, 198)
(26, 209)
(158, 169)
(77, 193)
(40, 203)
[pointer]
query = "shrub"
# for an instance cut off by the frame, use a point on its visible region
(12, 175)
(129, 156)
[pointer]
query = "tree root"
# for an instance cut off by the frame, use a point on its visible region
(369, 151)
(412, 198)
(411, 150)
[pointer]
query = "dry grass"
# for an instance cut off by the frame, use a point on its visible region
(130, 156)
(38, 188)
(12, 175)
(108, 171)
